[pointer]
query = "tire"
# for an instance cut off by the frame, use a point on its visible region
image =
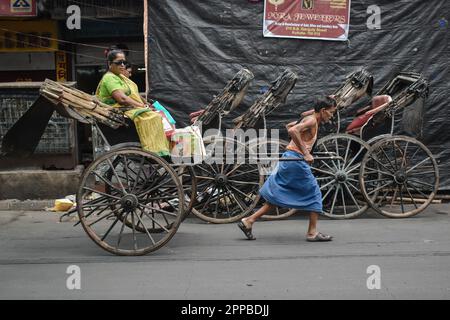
(225, 192)
(399, 177)
(339, 178)
(141, 186)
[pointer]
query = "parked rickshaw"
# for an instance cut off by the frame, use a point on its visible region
(228, 180)
(384, 165)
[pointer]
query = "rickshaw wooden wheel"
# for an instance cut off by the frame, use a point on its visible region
(142, 188)
(226, 192)
(338, 179)
(399, 177)
(187, 180)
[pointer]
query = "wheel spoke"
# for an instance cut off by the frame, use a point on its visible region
(346, 153)
(159, 210)
(214, 170)
(375, 190)
(134, 231)
(421, 173)
(401, 198)
(145, 228)
(235, 199)
(211, 196)
(334, 199)
(354, 158)
(381, 164)
(394, 196)
(415, 152)
(138, 174)
(101, 193)
(326, 194)
(245, 172)
(234, 169)
(217, 202)
(410, 195)
(155, 221)
(404, 155)
(127, 176)
(107, 182)
(244, 182)
(327, 184)
(417, 190)
(246, 196)
(324, 178)
(383, 198)
(322, 171)
(356, 166)
(121, 229)
(351, 196)
(418, 165)
(379, 171)
(105, 216)
(115, 173)
(204, 178)
(351, 185)
(323, 161)
(388, 159)
(110, 228)
(337, 151)
(326, 150)
(91, 213)
(422, 183)
(370, 181)
(203, 169)
(343, 201)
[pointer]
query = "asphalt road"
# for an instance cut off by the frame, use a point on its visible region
(205, 261)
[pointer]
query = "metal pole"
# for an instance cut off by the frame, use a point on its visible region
(146, 53)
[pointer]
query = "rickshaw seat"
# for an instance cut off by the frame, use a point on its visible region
(362, 119)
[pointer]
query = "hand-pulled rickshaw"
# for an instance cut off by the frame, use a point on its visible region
(131, 201)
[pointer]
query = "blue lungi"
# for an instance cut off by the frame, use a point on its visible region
(293, 185)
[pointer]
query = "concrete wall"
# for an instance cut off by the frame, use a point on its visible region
(39, 184)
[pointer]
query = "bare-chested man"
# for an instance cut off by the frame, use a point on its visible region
(293, 185)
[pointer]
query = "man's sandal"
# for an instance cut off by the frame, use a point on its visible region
(319, 237)
(246, 231)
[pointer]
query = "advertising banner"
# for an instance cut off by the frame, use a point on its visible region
(28, 36)
(18, 8)
(61, 66)
(307, 19)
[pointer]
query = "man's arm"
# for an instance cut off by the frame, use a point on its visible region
(291, 124)
(295, 133)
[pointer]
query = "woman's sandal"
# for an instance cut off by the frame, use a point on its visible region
(319, 237)
(246, 231)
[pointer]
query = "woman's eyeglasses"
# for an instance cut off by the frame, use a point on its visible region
(118, 63)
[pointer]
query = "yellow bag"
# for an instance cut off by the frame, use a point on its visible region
(150, 130)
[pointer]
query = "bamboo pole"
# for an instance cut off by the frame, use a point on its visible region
(82, 103)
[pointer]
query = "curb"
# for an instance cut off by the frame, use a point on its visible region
(25, 205)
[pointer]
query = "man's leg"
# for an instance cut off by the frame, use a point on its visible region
(313, 234)
(312, 228)
(248, 222)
